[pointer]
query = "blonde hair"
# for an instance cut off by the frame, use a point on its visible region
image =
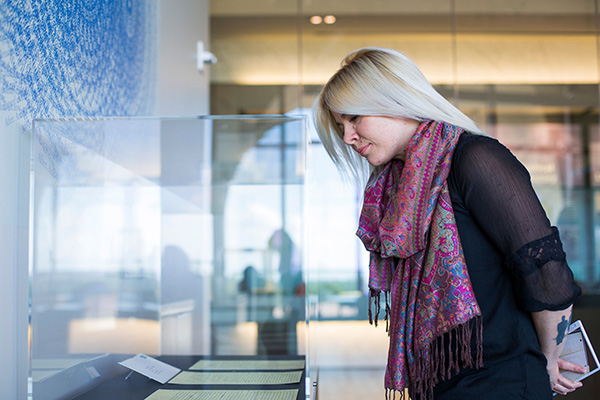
(378, 82)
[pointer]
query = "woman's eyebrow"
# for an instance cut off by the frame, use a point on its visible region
(344, 117)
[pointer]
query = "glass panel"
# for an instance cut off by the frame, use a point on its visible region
(167, 237)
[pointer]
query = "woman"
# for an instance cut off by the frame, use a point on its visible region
(476, 285)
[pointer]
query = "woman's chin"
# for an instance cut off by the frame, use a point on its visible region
(376, 162)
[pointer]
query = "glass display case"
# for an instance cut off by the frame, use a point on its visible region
(179, 239)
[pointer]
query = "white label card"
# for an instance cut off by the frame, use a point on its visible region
(151, 367)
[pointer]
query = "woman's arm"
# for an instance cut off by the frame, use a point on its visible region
(552, 328)
(497, 191)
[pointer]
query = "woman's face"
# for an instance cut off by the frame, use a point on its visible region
(378, 139)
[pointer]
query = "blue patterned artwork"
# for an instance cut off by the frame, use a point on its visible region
(76, 58)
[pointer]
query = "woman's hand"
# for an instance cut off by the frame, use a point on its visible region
(552, 329)
(558, 382)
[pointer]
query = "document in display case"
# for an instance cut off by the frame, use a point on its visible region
(182, 239)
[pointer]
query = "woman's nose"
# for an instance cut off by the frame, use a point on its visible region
(350, 135)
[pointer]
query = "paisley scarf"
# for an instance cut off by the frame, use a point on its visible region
(408, 226)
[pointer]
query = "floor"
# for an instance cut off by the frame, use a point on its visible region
(351, 356)
(351, 384)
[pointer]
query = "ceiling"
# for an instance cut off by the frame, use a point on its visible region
(268, 42)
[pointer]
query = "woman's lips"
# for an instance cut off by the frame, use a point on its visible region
(362, 150)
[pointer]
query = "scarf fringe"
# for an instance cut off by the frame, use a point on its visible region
(431, 365)
(375, 302)
(390, 394)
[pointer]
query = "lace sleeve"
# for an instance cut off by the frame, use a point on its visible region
(540, 270)
(496, 189)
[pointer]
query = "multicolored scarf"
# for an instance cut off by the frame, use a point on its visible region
(408, 226)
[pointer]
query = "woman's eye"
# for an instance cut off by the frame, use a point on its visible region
(353, 118)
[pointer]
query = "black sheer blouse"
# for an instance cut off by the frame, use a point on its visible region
(496, 190)
(516, 265)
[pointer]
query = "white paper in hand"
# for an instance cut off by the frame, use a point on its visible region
(579, 350)
(151, 367)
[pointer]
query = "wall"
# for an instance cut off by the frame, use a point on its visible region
(83, 59)
(182, 90)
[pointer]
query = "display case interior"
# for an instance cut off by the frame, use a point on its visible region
(181, 239)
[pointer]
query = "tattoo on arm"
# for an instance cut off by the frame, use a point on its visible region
(562, 327)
